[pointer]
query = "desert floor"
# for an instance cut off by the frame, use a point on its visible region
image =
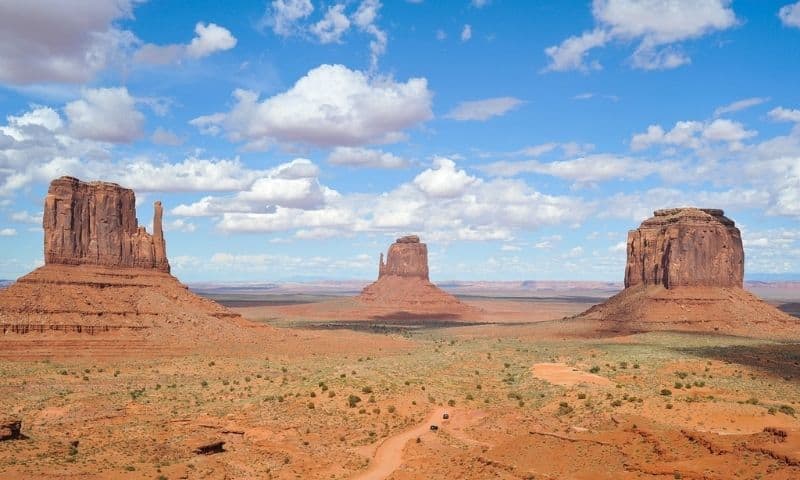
(527, 398)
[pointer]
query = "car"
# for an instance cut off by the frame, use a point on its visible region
(434, 428)
(446, 416)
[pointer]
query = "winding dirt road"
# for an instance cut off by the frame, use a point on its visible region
(389, 455)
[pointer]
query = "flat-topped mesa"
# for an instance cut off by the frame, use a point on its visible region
(94, 223)
(681, 247)
(407, 257)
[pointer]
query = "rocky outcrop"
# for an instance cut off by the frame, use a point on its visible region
(106, 284)
(407, 257)
(683, 247)
(10, 429)
(684, 272)
(95, 224)
(403, 288)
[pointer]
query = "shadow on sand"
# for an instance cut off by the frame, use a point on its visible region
(781, 360)
(790, 308)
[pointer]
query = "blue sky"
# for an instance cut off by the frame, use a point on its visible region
(295, 139)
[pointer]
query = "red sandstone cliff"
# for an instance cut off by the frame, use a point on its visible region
(685, 247)
(95, 224)
(684, 272)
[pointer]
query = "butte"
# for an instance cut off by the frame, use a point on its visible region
(685, 272)
(106, 285)
(404, 290)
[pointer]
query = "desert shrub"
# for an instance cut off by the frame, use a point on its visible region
(752, 401)
(469, 397)
(666, 392)
(311, 405)
(594, 369)
(353, 400)
(564, 408)
(204, 384)
(391, 409)
(451, 402)
(616, 403)
(786, 409)
(681, 375)
(331, 394)
(678, 385)
(581, 396)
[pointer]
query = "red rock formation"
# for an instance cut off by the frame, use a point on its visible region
(685, 247)
(407, 257)
(684, 272)
(403, 288)
(95, 224)
(106, 277)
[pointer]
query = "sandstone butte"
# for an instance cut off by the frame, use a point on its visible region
(685, 272)
(106, 277)
(404, 289)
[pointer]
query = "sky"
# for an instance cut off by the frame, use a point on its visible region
(296, 139)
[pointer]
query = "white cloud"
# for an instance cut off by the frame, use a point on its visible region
(466, 33)
(8, 232)
(331, 28)
(54, 41)
(165, 137)
(365, 18)
(739, 105)
(444, 180)
(27, 217)
(480, 3)
(693, 134)
(209, 39)
(364, 157)
(571, 53)
(440, 34)
(484, 109)
(105, 114)
(781, 114)
(179, 225)
(358, 111)
(284, 15)
(790, 15)
(619, 247)
(657, 25)
(292, 185)
(587, 169)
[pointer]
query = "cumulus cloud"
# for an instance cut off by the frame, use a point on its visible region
(289, 18)
(739, 105)
(790, 15)
(781, 114)
(331, 28)
(165, 137)
(365, 157)
(8, 232)
(693, 134)
(292, 185)
(283, 15)
(658, 27)
(484, 109)
(443, 179)
(360, 110)
(209, 38)
(105, 114)
(442, 202)
(55, 41)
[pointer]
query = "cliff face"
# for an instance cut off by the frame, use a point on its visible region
(95, 224)
(685, 247)
(407, 257)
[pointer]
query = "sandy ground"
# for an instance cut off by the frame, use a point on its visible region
(528, 397)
